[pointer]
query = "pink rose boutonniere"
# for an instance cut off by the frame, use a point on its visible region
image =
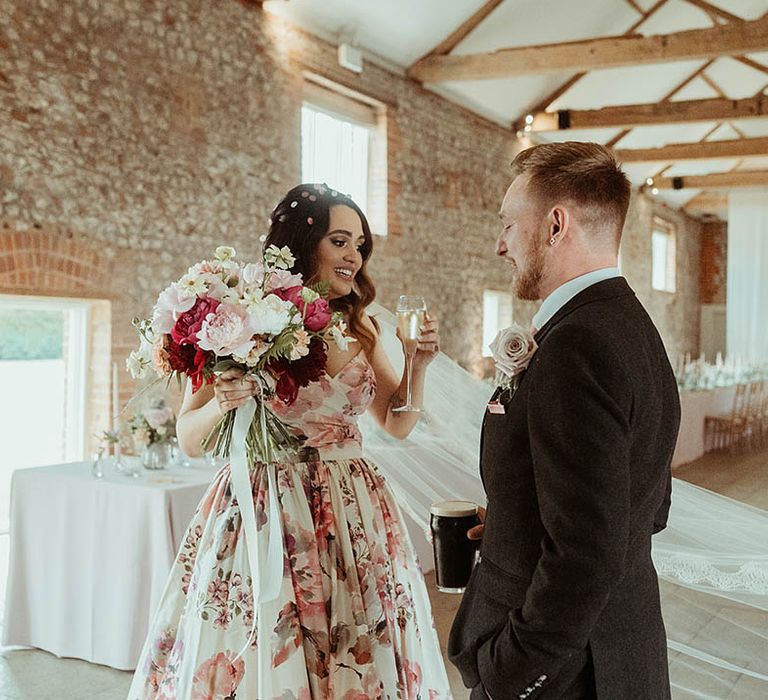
(512, 351)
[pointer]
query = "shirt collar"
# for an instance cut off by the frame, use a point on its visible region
(565, 292)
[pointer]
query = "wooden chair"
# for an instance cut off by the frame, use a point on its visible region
(729, 431)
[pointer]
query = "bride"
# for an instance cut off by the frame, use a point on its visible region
(350, 618)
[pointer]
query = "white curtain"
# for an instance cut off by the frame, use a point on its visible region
(747, 305)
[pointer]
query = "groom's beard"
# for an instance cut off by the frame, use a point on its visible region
(528, 281)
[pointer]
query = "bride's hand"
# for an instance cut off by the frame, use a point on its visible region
(428, 343)
(232, 389)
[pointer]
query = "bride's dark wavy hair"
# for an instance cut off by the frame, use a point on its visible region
(300, 221)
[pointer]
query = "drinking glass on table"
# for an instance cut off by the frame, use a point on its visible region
(411, 313)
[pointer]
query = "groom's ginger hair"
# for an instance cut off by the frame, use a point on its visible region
(585, 174)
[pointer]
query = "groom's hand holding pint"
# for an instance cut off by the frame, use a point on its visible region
(476, 533)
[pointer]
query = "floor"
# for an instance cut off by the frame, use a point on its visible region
(36, 675)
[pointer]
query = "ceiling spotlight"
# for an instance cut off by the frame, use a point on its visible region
(529, 119)
(649, 181)
(655, 190)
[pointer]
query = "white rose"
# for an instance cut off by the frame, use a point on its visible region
(271, 315)
(512, 350)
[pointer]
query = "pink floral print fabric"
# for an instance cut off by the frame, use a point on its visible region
(352, 621)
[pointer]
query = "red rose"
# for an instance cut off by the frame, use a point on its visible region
(188, 360)
(292, 294)
(184, 332)
(292, 375)
(316, 314)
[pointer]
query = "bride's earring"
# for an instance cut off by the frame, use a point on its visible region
(552, 241)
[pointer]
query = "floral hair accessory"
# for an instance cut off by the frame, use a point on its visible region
(310, 220)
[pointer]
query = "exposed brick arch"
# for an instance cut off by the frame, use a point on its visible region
(52, 262)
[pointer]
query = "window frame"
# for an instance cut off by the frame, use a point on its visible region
(663, 227)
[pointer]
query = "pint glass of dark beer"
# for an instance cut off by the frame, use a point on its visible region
(454, 551)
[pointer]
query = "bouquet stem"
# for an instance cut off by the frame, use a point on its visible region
(267, 439)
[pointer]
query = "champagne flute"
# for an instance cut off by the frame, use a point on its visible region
(411, 312)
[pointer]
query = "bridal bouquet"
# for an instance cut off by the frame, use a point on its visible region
(257, 317)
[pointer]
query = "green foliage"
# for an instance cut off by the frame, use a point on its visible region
(26, 334)
(281, 347)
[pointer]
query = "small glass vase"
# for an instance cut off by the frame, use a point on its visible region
(97, 465)
(156, 456)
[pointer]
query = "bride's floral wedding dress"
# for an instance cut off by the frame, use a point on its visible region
(352, 620)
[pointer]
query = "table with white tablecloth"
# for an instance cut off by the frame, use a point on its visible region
(90, 558)
(695, 406)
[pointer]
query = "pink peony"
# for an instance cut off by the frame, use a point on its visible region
(282, 279)
(157, 417)
(317, 314)
(185, 331)
(227, 331)
(169, 306)
(218, 678)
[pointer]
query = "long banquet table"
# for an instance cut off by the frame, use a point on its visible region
(695, 407)
(89, 558)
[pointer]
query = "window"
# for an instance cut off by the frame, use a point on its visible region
(497, 314)
(343, 143)
(663, 249)
(43, 355)
(43, 372)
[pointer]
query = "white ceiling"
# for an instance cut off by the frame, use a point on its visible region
(402, 31)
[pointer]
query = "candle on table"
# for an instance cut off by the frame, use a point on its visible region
(115, 400)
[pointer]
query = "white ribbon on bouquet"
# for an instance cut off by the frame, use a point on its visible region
(266, 567)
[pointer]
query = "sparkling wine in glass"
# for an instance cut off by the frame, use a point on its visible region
(411, 313)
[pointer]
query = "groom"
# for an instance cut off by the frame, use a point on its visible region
(564, 603)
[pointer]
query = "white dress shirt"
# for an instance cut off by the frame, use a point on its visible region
(565, 292)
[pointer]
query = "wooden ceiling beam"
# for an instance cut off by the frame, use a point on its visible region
(721, 181)
(708, 201)
(568, 84)
(635, 6)
(714, 10)
(609, 52)
(456, 37)
(624, 116)
(752, 64)
(707, 150)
